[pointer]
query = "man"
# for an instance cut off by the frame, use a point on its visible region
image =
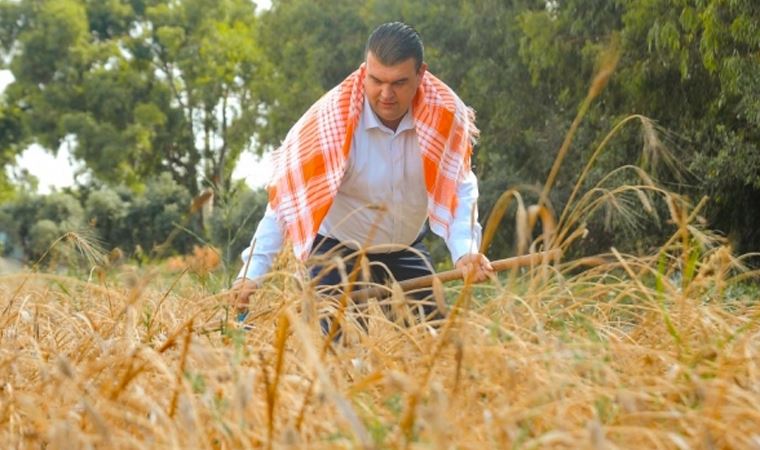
(374, 159)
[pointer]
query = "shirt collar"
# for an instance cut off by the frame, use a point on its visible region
(371, 121)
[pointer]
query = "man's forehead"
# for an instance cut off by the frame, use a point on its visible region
(375, 66)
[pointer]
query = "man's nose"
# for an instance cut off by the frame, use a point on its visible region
(386, 92)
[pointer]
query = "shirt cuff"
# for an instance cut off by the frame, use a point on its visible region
(463, 245)
(258, 267)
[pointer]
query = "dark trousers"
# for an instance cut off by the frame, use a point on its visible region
(400, 265)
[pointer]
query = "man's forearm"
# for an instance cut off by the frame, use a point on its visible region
(267, 243)
(465, 233)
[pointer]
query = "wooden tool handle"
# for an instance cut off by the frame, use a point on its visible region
(456, 274)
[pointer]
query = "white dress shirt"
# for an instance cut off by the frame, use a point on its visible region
(382, 200)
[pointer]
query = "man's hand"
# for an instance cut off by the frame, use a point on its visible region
(242, 289)
(478, 264)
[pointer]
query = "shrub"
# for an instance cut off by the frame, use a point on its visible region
(62, 209)
(105, 210)
(160, 210)
(41, 236)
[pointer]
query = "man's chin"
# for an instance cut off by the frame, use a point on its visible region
(388, 116)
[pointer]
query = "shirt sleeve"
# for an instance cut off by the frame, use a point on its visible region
(465, 232)
(267, 243)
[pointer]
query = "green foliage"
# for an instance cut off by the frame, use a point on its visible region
(62, 209)
(156, 213)
(11, 134)
(33, 222)
(41, 236)
(310, 46)
(18, 216)
(8, 232)
(525, 66)
(688, 65)
(138, 89)
(708, 81)
(105, 211)
(142, 88)
(136, 222)
(110, 217)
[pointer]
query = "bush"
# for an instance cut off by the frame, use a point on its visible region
(21, 215)
(63, 210)
(105, 210)
(121, 218)
(32, 222)
(41, 237)
(159, 211)
(8, 231)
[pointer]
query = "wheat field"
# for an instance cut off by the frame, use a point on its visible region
(658, 350)
(624, 352)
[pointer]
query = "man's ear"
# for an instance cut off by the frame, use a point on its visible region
(423, 69)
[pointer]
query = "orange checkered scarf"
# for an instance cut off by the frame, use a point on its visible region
(310, 163)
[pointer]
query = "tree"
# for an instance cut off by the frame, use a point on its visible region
(136, 88)
(32, 222)
(161, 211)
(692, 67)
(42, 235)
(311, 46)
(10, 135)
(105, 211)
(697, 72)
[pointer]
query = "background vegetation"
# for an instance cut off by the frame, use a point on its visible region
(160, 98)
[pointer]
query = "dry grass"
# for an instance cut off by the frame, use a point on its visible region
(634, 353)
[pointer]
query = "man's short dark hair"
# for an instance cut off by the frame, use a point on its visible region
(395, 42)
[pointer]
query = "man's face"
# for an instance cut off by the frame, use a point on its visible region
(390, 89)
